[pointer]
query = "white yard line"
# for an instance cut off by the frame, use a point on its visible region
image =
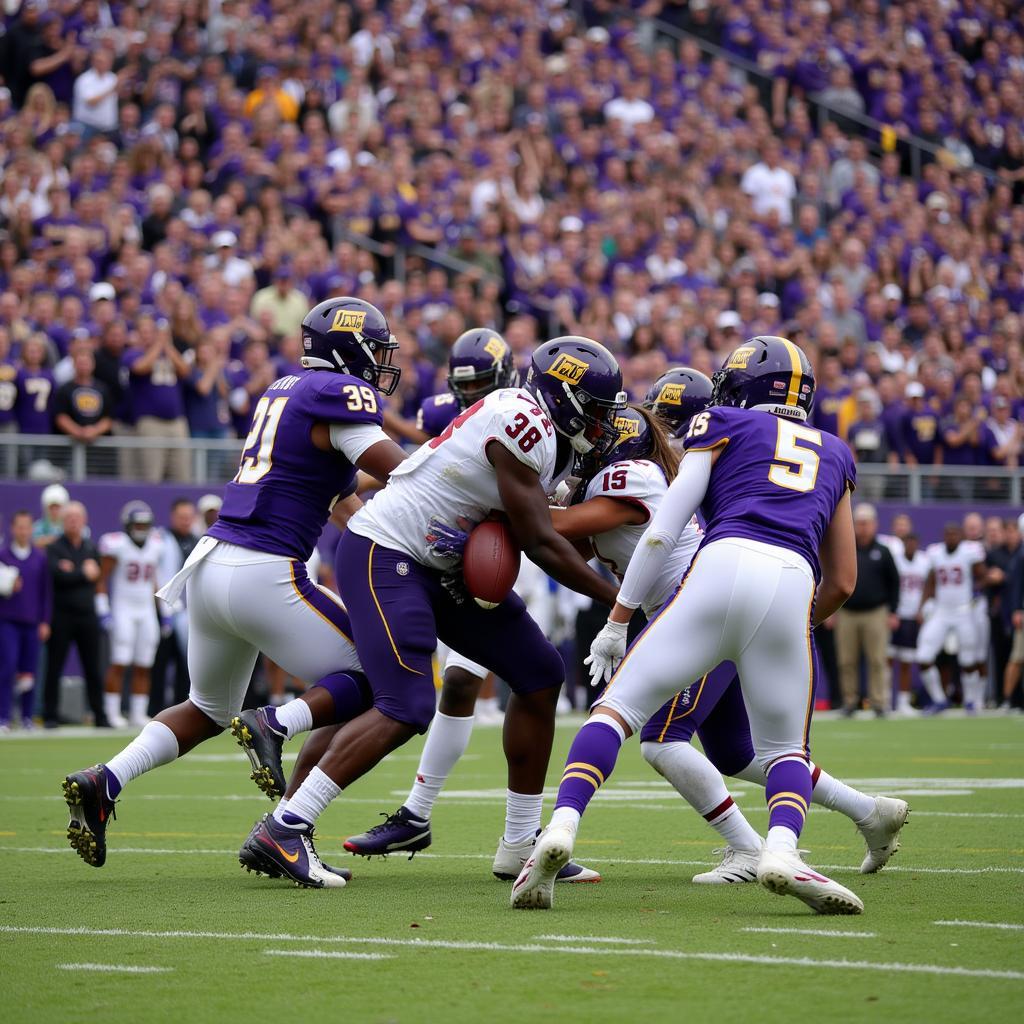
(328, 954)
(114, 968)
(594, 938)
(505, 947)
(983, 924)
(813, 931)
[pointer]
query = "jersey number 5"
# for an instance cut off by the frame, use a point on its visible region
(265, 421)
(790, 452)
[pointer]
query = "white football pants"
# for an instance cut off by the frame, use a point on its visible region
(943, 621)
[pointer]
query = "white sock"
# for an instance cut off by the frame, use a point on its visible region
(447, 740)
(701, 785)
(294, 717)
(311, 798)
(565, 817)
(154, 746)
(838, 796)
(278, 700)
(973, 690)
(112, 705)
(781, 839)
(282, 804)
(903, 701)
(522, 815)
(139, 704)
(932, 682)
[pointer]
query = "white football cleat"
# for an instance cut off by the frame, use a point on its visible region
(881, 832)
(117, 721)
(735, 866)
(532, 890)
(510, 858)
(784, 873)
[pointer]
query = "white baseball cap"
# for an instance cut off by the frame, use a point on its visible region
(55, 494)
(892, 291)
(728, 318)
(223, 240)
(102, 291)
(208, 503)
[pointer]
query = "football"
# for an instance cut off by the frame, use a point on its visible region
(490, 563)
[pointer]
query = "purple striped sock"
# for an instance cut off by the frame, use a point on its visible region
(788, 792)
(591, 761)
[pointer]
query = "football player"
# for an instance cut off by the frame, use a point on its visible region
(246, 583)
(778, 557)
(677, 396)
(912, 565)
(955, 567)
(126, 606)
(402, 584)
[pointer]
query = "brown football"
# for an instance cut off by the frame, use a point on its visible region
(490, 563)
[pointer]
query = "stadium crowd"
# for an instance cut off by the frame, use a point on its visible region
(182, 179)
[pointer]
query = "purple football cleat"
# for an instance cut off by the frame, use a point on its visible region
(283, 851)
(400, 832)
(91, 809)
(262, 744)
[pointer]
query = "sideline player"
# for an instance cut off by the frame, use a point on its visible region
(955, 567)
(776, 499)
(505, 453)
(126, 606)
(246, 582)
(912, 565)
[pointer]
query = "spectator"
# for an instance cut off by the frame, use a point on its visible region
(82, 409)
(1007, 433)
(1013, 612)
(920, 435)
(280, 306)
(34, 404)
(50, 525)
(864, 623)
(233, 270)
(868, 435)
(24, 619)
(209, 509)
(771, 186)
(156, 369)
(74, 566)
(206, 394)
(95, 95)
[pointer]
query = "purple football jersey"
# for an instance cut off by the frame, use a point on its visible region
(34, 404)
(285, 486)
(436, 413)
(776, 480)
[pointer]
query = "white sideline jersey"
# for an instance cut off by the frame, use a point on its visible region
(450, 478)
(913, 574)
(134, 578)
(642, 483)
(954, 573)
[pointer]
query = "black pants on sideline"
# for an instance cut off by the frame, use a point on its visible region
(84, 632)
(169, 658)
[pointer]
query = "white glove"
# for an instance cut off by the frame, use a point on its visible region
(607, 650)
(563, 492)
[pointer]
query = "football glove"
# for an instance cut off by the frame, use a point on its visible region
(607, 651)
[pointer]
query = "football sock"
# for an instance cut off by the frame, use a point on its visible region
(282, 804)
(973, 688)
(139, 704)
(112, 706)
(932, 682)
(291, 718)
(309, 801)
(701, 785)
(154, 746)
(838, 796)
(522, 816)
(903, 701)
(788, 792)
(591, 761)
(446, 742)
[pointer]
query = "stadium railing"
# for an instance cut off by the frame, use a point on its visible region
(45, 457)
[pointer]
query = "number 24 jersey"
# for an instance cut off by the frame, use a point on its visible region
(776, 481)
(450, 477)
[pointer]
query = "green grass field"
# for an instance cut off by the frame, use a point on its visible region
(434, 939)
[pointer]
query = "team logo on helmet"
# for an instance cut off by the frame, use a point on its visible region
(671, 394)
(496, 347)
(348, 320)
(628, 427)
(740, 357)
(568, 368)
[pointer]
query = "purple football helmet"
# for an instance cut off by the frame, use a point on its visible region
(137, 520)
(633, 442)
(767, 373)
(678, 395)
(480, 362)
(348, 335)
(579, 385)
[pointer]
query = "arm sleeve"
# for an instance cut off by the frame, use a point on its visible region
(353, 440)
(676, 510)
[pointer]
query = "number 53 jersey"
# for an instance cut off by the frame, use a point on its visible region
(450, 478)
(285, 486)
(776, 481)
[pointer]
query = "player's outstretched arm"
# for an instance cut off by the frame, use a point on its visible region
(526, 505)
(838, 557)
(596, 516)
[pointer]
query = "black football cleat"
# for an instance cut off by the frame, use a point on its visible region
(401, 832)
(91, 810)
(262, 745)
(281, 851)
(250, 857)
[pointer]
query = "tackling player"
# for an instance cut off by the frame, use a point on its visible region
(776, 498)
(507, 452)
(130, 560)
(246, 582)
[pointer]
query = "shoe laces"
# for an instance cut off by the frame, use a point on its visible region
(389, 820)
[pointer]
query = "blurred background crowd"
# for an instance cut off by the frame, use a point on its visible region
(183, 179)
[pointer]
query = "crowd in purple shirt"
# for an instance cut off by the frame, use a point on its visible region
(173, 207)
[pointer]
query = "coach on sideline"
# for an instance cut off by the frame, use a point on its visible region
(865, 622)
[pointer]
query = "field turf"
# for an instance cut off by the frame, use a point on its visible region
(183, 934)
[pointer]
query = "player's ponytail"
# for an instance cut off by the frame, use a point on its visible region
(662, 451)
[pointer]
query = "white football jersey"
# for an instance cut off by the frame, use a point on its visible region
(450, 478)
(913, 573)
(642, 483)
(954, 579)
(135, 577)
